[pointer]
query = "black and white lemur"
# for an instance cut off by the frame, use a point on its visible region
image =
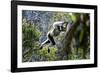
(56, 29)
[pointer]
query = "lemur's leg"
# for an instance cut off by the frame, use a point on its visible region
(51, 39)
(45, 42)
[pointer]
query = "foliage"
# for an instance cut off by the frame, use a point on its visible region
(29, 37)
(51, 56)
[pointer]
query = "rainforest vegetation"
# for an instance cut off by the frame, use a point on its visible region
(72, 45)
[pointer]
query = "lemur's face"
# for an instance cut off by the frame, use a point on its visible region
(63, 26)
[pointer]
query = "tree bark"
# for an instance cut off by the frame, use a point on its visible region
(68, 38)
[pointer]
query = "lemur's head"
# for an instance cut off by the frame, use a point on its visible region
(65, 24)
(61, 25)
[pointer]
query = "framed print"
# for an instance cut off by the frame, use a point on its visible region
(51, 36)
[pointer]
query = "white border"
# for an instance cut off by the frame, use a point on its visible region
(53, 63)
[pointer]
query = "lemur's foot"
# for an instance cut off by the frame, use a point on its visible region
(41, 47)
(48, 50)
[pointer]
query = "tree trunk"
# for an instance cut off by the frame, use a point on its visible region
(68, 37)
